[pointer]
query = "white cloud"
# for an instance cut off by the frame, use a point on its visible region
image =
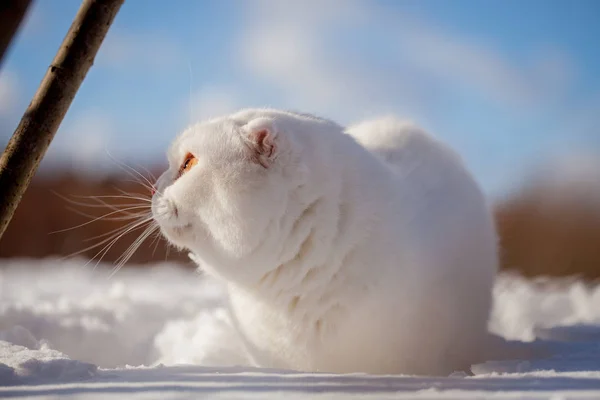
(84, 142)
(291, 46)
(35, 22)
(208, 102)
(477, 65)
(154, 51)
(213, 101)
(283, 45)
(555, 69)
(580, 125)
(9, 93)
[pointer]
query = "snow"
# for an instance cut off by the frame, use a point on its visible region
(68, 331)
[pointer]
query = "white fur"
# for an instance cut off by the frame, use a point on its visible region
(371, 250)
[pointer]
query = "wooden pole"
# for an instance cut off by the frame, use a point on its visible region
(12, 13)
(50, 103)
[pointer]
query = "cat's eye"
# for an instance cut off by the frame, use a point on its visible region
(188, 163)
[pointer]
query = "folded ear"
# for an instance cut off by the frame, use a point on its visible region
(260, 136)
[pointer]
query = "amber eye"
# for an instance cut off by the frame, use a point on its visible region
(188, 163)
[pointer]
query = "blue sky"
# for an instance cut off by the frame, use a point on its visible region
(511, 85)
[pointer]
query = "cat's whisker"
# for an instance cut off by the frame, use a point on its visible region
(101, 203)
(191, 116)
(132, 208)
(108, 206)
(127, 217)
(122, 207)
(146, 199)
(113, 231)
(107, 247)
(155, 241)
(124, 230)
(97, 219)
(133, 248)
(138, 182)
(147, 171)
(153, 188)
(128, 168)
(115, 207)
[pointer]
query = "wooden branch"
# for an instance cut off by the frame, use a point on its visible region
(12, 13)
(50, 103)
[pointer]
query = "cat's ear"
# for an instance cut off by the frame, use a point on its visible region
(260, 136)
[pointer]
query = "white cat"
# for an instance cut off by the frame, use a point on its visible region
(366, 250)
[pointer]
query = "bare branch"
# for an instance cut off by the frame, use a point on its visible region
(12, 13)
(46, 111)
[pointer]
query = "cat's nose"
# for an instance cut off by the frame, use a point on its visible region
(152, 190)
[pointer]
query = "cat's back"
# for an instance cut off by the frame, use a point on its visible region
(446, 215)
(431, 177)
(402, 145)
(450, 241)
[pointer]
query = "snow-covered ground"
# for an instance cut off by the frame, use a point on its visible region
(162, 332)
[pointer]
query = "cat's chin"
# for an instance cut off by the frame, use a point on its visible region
(178, 235)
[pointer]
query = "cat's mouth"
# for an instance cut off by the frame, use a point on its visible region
(181, 229)
(178, 235)
(168, 215)
(176, 227)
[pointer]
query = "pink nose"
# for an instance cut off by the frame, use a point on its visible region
(153, 190)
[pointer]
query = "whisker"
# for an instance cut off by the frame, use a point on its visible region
(138, 194)
(106, 248)
(132, 249)
(131, 169)
(126, 217)
(112, 231)
(96, 219)
(128, 228)
(148, 200)
(155, 241)
(136, 243)
(131, 208)
(191, 88)
(101, 202)
(107, 205)
(147, 171)
(138, 182)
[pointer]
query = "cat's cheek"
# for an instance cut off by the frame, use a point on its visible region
(181, 237)
(184, 231)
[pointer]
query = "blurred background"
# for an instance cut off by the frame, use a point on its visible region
(513, 86)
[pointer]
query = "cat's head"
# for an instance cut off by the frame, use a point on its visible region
(228, 180)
